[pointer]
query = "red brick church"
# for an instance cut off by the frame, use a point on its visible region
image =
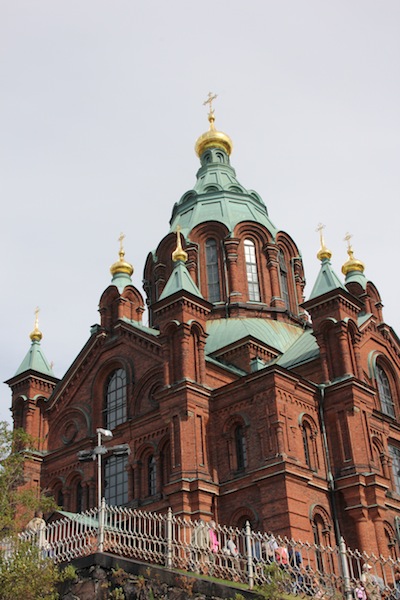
(241, 400)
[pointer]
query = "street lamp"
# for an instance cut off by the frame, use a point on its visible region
(98, 451)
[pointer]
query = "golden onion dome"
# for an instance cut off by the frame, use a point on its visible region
(213, 138)
(36, 334)
(121, 266)
(323, 252)
(353, 264)
(179, 253)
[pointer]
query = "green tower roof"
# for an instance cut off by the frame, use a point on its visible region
(35, 360)
(180, 280)
(326, 281)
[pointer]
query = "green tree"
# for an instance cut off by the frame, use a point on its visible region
(24, 571)
(18, 501)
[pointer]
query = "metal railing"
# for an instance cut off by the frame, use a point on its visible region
(175, 542)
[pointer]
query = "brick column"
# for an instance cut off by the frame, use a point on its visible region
(231, 249)
(272, 252)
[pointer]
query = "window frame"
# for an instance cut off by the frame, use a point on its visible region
(115, 477)
(212, 270)
(385, 390)
(115, 399)
(253, 281)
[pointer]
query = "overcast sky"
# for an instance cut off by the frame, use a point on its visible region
(100, 107)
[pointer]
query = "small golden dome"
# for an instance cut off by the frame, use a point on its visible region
(179, 253)
(353, 264)
(323, 252)
(36, 334)
(121, 266)
(213, 138)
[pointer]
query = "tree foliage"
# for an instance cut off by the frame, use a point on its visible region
(18, 500)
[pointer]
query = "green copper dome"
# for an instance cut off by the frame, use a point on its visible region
(218, 196)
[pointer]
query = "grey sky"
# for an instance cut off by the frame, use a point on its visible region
(100, 107)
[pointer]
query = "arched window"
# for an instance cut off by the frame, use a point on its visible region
(251, 270)
(213, 284)
(116, 480)
(321, 538)
(115, 401)
(152, 475)
(385, 394)
(241, 448)
(284, 280)
(310, 454)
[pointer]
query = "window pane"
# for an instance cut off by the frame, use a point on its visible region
(384, 391)
(115, 409)
(284, 280)
(251, 270)
(116, 480)
(214, 293)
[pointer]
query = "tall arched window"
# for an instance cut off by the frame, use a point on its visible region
(310, 453)
(251, 270)
(385, 394)
(284, 280)
(241, 448)
(115, 401)
(213, 284)
(116, 480)
(152, 475)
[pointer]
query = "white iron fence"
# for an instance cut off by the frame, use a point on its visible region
(240, 555)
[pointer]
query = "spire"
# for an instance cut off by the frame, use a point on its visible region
(327, 279)
(35, 359)
(121, 270)
(179, 253)
(213, 138)
(352, 264)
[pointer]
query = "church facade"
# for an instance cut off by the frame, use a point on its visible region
(241, 400)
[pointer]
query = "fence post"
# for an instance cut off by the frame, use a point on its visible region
(169, 538)
(345, 569)
(102, 513)
(249, 556)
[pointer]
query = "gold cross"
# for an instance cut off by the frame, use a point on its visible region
(121, 239)
(209, 101)
(37, 309)
(347, 239)
(320, 228)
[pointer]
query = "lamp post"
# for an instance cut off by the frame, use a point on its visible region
(98, 451)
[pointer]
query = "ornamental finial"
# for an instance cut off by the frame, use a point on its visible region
(323, 252)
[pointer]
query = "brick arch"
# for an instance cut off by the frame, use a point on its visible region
(243, 514)
(309, 431)
(321, 524)
(142, 475)
(73, 424)
(141, 398)
(235, 432)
